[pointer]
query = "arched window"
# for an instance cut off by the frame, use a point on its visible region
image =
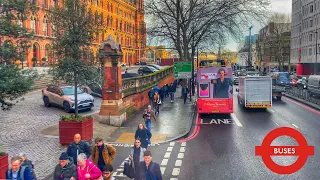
(45, 26)
(47, 53)
(36, 50)
(33, 24)
(96, 2)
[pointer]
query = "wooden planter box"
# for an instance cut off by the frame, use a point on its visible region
(67, 130)
(3, 166)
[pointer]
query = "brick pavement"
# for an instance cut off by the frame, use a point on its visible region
(20, 132)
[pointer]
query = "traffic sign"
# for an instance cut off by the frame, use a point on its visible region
(302, 151)
(182, 70)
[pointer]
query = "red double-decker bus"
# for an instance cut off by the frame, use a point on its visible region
(215, 90)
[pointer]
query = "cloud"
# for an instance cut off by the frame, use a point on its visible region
(282, 6)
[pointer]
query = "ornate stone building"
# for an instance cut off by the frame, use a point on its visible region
(124, 20)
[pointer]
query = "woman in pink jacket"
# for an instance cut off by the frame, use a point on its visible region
(87, 170)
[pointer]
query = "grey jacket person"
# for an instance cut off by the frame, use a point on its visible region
(67, 172)
(142, 150)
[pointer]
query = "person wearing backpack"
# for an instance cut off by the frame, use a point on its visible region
(17, 171)
(28, 163)
(102, 154)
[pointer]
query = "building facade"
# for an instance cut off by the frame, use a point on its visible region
(124, 20)
(273, 44)
(243, 53)
(154, 53)
(304, 36)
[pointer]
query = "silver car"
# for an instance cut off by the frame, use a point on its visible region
(64, 96)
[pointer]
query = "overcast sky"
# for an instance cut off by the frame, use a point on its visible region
(282, 6)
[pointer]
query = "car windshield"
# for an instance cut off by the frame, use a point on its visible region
(70, 90)
(156, 66)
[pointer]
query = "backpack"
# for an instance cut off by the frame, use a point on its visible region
(20, 172)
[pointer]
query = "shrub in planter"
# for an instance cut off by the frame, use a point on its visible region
(34, 60)
(44, 59)
(3, 164)
(71, 125)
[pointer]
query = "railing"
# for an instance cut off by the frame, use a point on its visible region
(142, 83)
(303, 94)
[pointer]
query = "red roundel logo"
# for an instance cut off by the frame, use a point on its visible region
(302, 150)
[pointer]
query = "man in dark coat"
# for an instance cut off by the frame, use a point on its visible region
(171, 91)
(147, 169)
(77, 147)
(17, 171)
(221, 86)
(185, 92)
(65, 170)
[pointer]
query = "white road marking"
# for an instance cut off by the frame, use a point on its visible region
(178, 163)
(162, 169)
(175, 171)
(276, 124)
(167, 155)
(181, 155)
(169, 149)
(172, 143)
(164, 162)
(234, 117)
(272, 110)
(295, 126)
(184, 144)
(173, 178)
(182, 149)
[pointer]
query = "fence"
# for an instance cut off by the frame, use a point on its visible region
(303, 94)
(142, 83)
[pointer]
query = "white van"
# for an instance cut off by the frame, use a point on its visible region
(314, 84)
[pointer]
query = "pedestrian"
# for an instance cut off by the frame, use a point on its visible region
(171, 91)
(87, 170)
(102, 154)
(28, 163)
(65, 170)
(126, 71)
(148, 115)
(144, 135)
(77, 147)
(156, 102)
(136, 152)
(18, 172)
(107, 172)
(165, 88)
(185, 92)
(161, 93)
(150, 95)
(147, 169)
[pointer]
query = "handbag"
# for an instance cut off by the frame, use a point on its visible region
(128, 169)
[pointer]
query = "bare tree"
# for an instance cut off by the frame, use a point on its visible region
(189, 23)
(277, 40)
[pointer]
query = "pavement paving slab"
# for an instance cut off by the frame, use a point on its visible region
(173, 121)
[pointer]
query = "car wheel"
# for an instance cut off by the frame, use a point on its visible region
(66, 107)
(46, 101)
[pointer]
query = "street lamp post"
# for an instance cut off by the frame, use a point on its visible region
(249, 56)
(316, 66)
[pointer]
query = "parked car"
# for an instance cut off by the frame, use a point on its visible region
(146, 70)
(155, 66)
(93, 89)
(314, 84)
(141, 63)
(129, 75)
(64, 96)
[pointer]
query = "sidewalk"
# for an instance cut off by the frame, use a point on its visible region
(174, 120)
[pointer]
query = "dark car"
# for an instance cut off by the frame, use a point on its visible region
(129, 75)
(146, 70)
(94, 89)
(140, 63)
(155, 66)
